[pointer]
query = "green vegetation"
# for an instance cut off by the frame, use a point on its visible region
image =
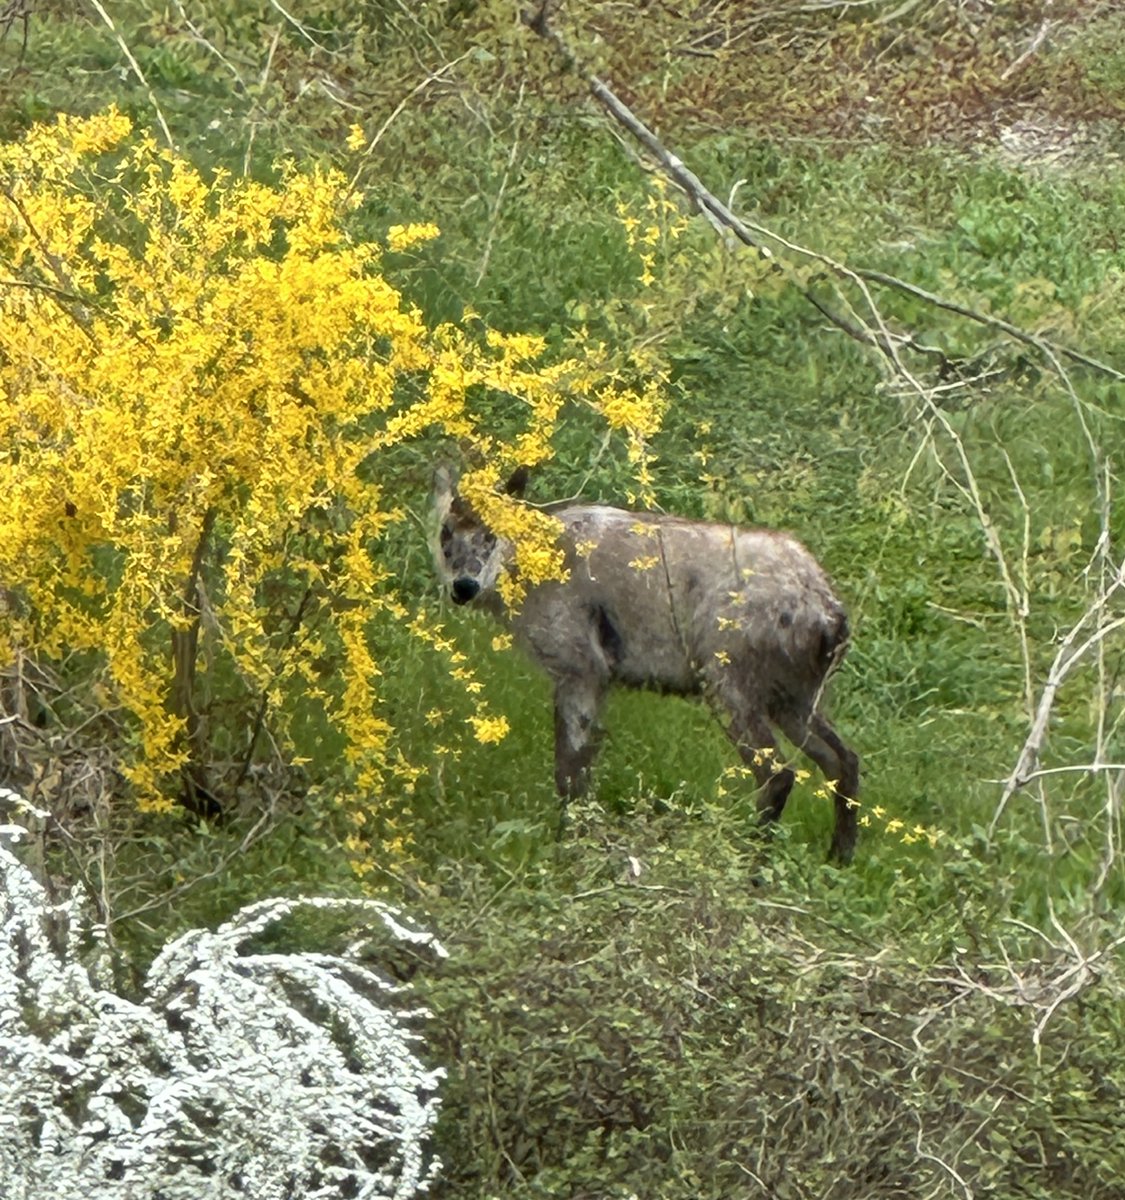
(653, 1004)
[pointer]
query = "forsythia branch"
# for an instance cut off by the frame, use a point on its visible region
(234, 392)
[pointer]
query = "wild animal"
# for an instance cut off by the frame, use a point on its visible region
(746, 618)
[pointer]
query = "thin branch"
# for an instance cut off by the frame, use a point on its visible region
(1014, 331)
(399, 108)
(1080, 973)
(494, 214)
(300, 28)
(136, 71)
(66, 289)
(949, 1170)
(1111, 808)
(204, 41)
(1067, 658)
(32, 286)
(1037, 41)
(16, 10)
(1090, 768)
(263, 824)
(258, 723)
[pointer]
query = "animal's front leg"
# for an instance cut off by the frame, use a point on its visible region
(578, 701)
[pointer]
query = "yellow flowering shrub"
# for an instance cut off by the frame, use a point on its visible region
(198, 375)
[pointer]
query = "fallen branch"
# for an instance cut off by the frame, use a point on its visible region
(1013, 331)
(723, 219)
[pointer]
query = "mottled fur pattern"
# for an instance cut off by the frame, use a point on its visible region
(744, 617)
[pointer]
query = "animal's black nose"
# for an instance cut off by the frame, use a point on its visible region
(464, 589)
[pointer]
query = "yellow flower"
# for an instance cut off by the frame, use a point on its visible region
(403, 237)
(245, 360)
(489, 730)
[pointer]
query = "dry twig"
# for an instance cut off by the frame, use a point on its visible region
(136, 67)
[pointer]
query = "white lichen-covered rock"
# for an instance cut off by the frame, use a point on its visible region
(241, 1073)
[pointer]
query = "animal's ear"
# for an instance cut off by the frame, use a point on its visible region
(445, 482)
(517, 482)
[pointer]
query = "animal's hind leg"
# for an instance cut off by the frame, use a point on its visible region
(840, 764)
(758, 748)
(578, 701)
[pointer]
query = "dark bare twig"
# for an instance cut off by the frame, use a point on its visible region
(66, 288)
(13, 11)
(197, 796)
(34, 286)
(258, 724)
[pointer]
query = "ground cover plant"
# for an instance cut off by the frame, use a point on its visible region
(652, 1004)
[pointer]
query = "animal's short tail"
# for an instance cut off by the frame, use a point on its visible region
(834, 640)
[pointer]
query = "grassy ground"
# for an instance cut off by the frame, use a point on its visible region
(651, 1004)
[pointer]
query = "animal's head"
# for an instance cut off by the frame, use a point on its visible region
(469, 556)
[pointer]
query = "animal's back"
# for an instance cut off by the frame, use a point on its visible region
(669, 603)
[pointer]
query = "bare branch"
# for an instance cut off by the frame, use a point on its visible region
(946, 1167)
(206, 42)
(722, 218)
(66, 289)
(1033, 47)
(1014, 331)
(399, 108)
(136, 66)
(1067, 658)
(300, 28)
